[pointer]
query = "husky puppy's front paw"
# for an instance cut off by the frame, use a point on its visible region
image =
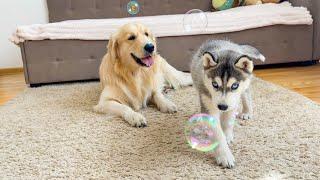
(229, 137)
(244, 116)
(224, 157)
(168, 107)
(135, 119)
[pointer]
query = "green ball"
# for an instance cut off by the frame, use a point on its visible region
(222, 4)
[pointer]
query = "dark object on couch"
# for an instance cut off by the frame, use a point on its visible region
(49, 61)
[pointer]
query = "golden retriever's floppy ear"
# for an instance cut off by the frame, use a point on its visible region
(113, 47)
(245, 64)
(209, 60)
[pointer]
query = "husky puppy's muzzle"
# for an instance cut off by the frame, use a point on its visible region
(148, 60)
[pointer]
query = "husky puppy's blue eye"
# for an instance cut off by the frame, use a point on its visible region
(215, 85)
(235, 86)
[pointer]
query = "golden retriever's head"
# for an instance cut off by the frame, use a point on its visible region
(133, 45)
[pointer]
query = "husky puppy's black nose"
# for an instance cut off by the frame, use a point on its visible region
(149, 47)
(222, 107)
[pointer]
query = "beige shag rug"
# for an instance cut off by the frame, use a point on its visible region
(52, 132)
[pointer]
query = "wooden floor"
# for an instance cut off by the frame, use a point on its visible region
(11, 84)
(304, 80)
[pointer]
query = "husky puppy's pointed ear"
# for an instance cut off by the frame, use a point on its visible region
(252, 53)
(245, 64)
(209, 60)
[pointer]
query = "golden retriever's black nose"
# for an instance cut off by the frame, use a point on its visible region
(149, 47)
(222, 107)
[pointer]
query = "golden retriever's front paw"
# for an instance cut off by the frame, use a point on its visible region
(135, 119)
(168, 107)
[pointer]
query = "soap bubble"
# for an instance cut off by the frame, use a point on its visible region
(195, 19)
(133, 7)
(200, 132)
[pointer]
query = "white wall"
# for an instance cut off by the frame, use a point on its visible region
(12, 14)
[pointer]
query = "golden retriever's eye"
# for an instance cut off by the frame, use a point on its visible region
(147, 34)
(132, 37)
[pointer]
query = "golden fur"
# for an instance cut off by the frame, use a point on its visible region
(116, 72)
(126, 83)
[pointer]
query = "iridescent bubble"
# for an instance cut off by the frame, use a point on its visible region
(133, 7)
(200, 132)
(195, 20)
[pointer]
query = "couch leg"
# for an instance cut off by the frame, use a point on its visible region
(34, 85)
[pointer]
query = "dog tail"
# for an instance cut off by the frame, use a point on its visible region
(174, 78)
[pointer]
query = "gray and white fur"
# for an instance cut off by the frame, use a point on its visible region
(221, 71)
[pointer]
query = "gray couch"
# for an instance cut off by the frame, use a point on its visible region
(49, 61)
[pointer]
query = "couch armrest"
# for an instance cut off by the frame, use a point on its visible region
(314, 8)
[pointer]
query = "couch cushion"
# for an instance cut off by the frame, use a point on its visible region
(68, 60)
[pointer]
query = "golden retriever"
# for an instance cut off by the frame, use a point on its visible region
(132, 74)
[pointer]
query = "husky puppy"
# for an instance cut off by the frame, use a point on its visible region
(221, 72)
